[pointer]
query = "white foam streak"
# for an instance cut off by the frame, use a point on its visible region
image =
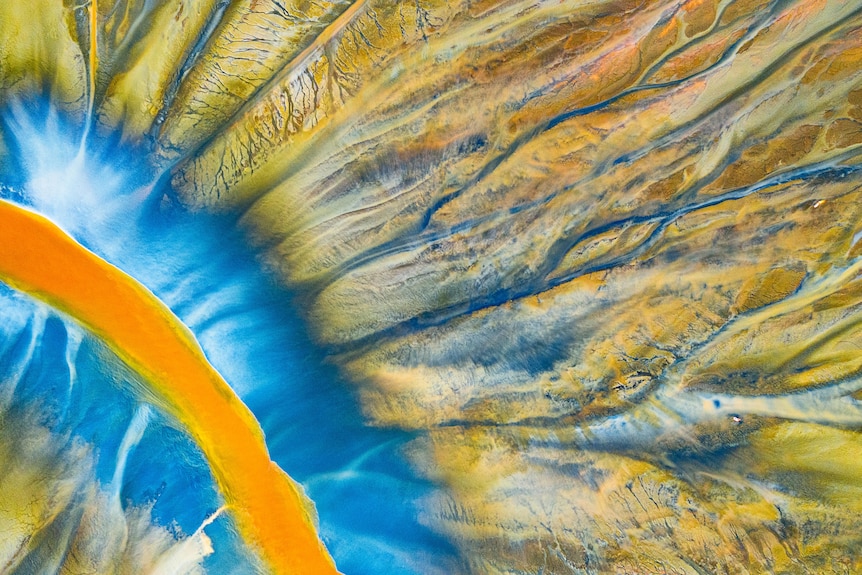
(134, 434)
(22, 363)
(74, 338)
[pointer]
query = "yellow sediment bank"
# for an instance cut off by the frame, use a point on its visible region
(38, 258)
(94, 35)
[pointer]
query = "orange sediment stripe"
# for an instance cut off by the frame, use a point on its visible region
(38, 258)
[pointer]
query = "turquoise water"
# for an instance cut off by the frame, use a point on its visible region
(368, 498)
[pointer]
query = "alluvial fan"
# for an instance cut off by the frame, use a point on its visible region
(589, 272)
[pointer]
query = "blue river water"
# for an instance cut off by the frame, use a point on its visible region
(367, 496)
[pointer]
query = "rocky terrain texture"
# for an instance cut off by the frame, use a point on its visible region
(601, 257)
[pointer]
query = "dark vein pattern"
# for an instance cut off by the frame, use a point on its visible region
(602, 257)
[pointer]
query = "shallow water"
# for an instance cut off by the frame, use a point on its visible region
(365, 493)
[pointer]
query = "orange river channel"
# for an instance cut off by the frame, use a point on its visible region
(39, 258)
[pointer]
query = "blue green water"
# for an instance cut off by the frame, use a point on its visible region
(367, 496)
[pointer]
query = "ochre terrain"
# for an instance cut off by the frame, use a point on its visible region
(602, 257)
